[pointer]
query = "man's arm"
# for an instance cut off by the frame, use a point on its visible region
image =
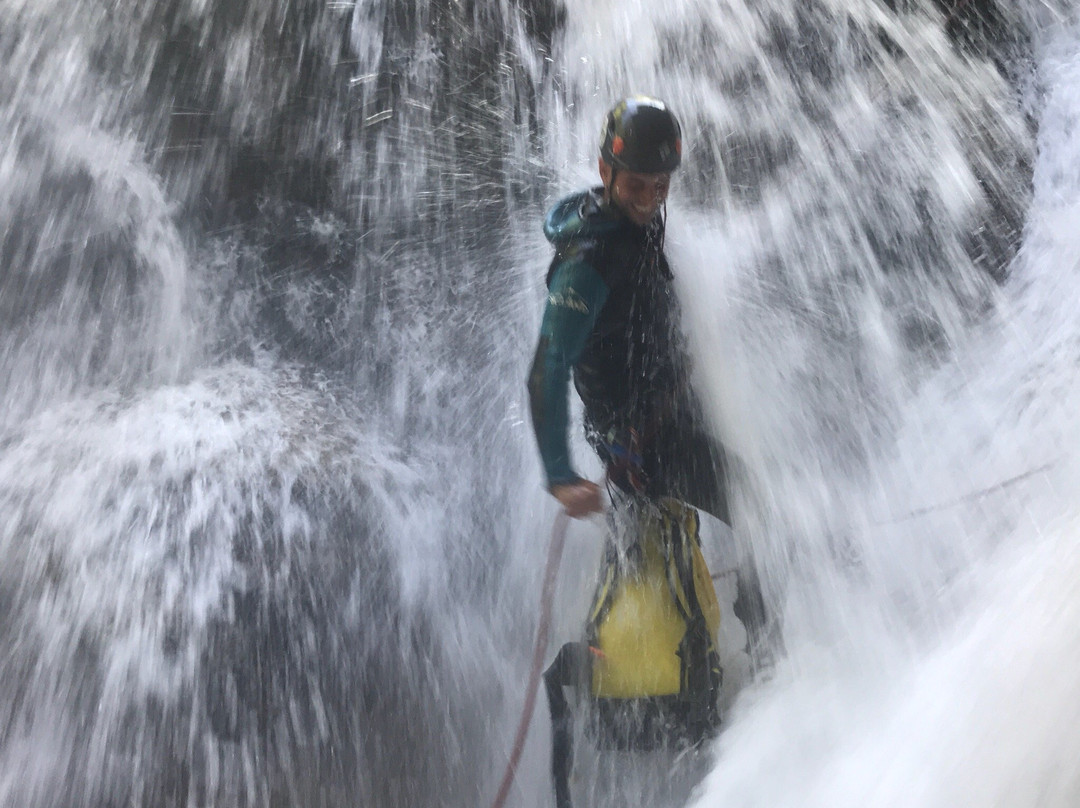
(576, 295)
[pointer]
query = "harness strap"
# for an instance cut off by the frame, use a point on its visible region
(604, 592)
(625, 459)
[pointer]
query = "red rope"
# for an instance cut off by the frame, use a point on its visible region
(558, 539)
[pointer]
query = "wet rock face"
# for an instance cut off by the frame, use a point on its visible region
(983, 28)
(270, 139)
(544, 18)
(234, 100)
(991, 32)
(858, 92)
(313, 102)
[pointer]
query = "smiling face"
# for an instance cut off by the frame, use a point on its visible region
(638, 196)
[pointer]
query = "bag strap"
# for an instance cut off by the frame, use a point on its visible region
(700, 673)
(605, 592)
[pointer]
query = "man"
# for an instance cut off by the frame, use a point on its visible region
(611, 320)
(648, 661)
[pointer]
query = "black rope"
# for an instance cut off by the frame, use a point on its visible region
(971, 497)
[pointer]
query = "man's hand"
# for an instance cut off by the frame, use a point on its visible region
(579, 498)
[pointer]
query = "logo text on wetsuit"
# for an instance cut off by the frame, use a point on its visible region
(569, 300)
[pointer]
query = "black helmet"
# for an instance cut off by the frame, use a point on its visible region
(642, 135)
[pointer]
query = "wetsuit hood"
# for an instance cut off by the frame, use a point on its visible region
(581, 215)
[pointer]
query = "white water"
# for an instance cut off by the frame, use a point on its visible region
(281, 575)
(977, 703)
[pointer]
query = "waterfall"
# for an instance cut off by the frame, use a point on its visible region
(270, 279)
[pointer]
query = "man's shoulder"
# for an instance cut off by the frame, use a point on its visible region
(583, 229)
(580, 219)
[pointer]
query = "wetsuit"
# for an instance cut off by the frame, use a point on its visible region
(611, 321)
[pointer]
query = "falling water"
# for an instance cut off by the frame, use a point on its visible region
(270, 276)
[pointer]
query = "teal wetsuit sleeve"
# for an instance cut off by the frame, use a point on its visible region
(575, 296)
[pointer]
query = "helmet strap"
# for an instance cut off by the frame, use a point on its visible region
(663, 229)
